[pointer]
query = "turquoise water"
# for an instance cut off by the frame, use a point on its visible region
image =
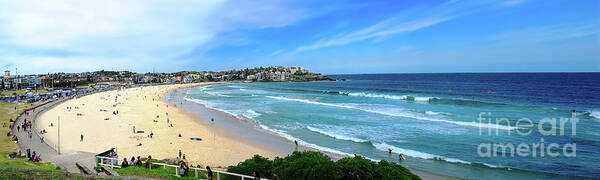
(431, 118)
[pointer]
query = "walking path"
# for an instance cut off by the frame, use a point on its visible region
(66, 159)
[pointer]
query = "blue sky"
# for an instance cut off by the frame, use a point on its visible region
(331, 37)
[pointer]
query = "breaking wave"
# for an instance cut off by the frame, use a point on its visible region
(399, 114)
(336, 136)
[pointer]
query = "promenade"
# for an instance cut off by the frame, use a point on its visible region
(66, 159)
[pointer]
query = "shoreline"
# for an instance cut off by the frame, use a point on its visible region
(251, 129)
(239, 126)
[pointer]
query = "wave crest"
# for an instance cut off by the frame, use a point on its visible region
(400, 114)
(416, 154)
(336, 136)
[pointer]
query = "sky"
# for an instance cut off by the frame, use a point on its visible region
(330, 37)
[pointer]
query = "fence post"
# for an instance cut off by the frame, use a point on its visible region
(177, 171)
(164, 166)
(218, 176)
(196, 170)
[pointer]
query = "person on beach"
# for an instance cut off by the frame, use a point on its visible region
(390, 150)
(180, 154)
(132, 162)
(296, 142)
(139, 161)
(133, 129)
(149, 162)
(124, 164)
(209, 173)
(81, 138)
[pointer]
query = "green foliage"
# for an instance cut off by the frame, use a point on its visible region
(314, 165)
(387, 170)
(259, 164)
(306, 165)
(357, 167)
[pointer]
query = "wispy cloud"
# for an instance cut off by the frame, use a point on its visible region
(412, 20)
(546, 33)
(511, 2)
(274, 53)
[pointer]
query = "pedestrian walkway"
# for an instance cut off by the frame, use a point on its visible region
(66, 160)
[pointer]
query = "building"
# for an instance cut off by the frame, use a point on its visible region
(7, 74)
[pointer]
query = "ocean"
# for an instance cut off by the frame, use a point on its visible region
(446, 124)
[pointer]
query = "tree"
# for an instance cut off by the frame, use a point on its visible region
(387, 170)
(357, 167)
(259, 164)
(306, 165)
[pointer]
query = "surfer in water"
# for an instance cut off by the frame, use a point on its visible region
(401, 157)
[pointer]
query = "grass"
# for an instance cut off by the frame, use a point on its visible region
(155, 172)
(33, 174)
(8, 112)
(24, 163)
(19, 92)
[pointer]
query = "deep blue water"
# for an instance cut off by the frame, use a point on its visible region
(433, 119)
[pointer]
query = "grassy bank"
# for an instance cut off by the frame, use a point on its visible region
(8, 112)
(157, 171)
(15, 173)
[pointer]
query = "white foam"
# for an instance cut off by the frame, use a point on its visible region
(595, 114)
(401, 114)
(242, 89)
(206, 104)
(251, 114)
(395, 97)
(304, 143)
(424, 99)
(216, 94)
(432, 113)
(416, 154)
(362, 94)
(336, 136)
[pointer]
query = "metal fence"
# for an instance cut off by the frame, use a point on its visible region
(114, 163)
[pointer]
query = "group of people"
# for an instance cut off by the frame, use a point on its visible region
(134, 162)
(35, 157)
(184, 167)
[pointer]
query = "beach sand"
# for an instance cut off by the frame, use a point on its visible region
(144, 108)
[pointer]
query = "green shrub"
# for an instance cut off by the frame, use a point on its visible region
(387, 170)
(357, 167)
(306, 165)
(315, 165)
(261, 165)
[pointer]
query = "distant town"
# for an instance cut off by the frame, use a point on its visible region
(103, 78)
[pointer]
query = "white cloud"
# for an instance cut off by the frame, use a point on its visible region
(104, 33)
(409, 20)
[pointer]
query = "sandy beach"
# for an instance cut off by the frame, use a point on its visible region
(95, 117)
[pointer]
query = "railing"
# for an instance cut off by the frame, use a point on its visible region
(114, 163)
